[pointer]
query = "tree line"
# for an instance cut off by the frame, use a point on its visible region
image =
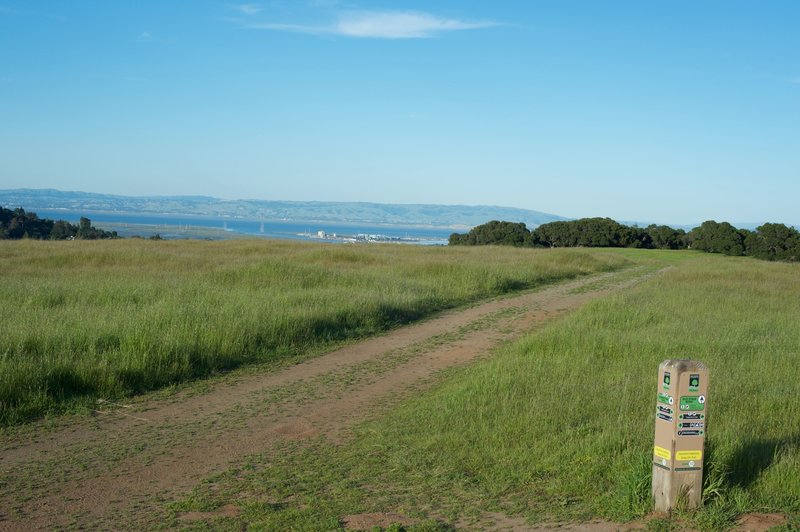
(769, 241)
(16, 224)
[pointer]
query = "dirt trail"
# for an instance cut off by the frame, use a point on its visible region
(129, 460)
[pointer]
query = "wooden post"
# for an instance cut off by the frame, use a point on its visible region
(678, 453)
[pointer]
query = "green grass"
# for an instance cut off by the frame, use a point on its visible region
(559, 426)
(86, 320)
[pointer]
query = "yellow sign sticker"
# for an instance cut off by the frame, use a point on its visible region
(688, 455)
(662, 453)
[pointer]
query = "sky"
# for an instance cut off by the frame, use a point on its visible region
(667, 112)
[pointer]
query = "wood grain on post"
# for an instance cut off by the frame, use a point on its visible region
(679, 450)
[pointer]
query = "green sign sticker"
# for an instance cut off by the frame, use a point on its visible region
(694, 382)
(663, 398)
(693, 402)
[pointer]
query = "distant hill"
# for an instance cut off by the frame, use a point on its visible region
(454, 216)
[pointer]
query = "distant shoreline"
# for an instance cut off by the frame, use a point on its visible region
(75, 213)
(183, 226)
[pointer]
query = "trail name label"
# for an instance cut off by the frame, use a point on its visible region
(692, 402)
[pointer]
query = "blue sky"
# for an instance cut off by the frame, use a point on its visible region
(672, 112)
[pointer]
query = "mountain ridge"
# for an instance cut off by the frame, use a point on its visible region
(452, 216)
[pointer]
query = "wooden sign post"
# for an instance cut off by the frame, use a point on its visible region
(681, 419)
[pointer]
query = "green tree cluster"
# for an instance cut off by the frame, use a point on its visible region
(773, 242)
(494, 232)
(591, 232)
(769, 241)
(16, 224)
(716, 237)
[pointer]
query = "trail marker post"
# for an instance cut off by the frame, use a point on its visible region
(679, 449)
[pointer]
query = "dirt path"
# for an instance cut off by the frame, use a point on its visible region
(124, 464)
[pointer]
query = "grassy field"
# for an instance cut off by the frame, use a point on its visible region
(559, 426)
(86, 320)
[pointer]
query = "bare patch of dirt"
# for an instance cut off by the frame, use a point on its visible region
(127, 462)
(495, 522)
(758, 522)
(498, 522)
(755, 522)
(595, 525)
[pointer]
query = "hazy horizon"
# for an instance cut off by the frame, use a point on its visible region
(666, 113)
(741, 224)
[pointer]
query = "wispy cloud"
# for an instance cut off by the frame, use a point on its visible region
(400, 25)
(380, 25)
(145, 36)
(248, 9)
(795, 81)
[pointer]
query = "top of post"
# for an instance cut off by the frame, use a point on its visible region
(682, 364)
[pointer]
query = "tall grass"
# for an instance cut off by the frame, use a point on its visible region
(559, 425)
(104, 319)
